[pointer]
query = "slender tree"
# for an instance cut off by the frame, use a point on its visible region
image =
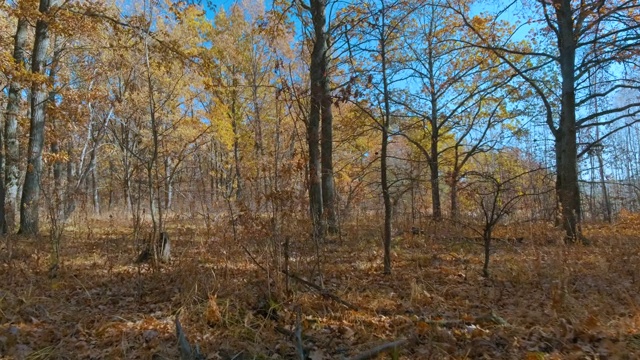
(457, 98)
(11, 146)
(374, 47)
(29, 219)
(317, 9)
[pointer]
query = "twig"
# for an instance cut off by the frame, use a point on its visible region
(370, 354)
(323, 292)
(284, 331)
(254, 259)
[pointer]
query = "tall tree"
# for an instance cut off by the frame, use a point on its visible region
(320, 124)
(456, 97)
(577, 41)
(29, 219)
(374, 47)
(11, 145)
(326, 130)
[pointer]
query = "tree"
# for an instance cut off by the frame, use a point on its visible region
(497, 189)
(457, 98)
(11, 145)
(577, 40)
(378, 41)
(320, 124)
(29, 219)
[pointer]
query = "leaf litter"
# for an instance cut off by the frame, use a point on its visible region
(543, 300)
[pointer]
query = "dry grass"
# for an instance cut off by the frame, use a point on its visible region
(556, 301)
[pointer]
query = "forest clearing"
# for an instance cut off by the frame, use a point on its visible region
(544, 300)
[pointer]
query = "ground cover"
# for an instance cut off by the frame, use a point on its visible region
(543, 300)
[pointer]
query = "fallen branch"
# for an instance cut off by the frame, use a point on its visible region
(255, 261)
(323, 292)
(370, 354)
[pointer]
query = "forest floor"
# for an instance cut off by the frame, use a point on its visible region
(543, 300)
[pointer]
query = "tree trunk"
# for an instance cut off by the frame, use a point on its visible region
(453, 196)
(94, 183)
(434, 169)
(3, 222)
(29, 219)
(126, 179)
(605, 194)
(328, 183)
(58, 202)
(112, 173)
(12, 148)
(235, 124)
(70, 202)
(434, 179)
(386, 196)
(486, 235)
(168, 201)
(317, 77)
(567, 188)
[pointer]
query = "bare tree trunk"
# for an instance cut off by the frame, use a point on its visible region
(69, 203)
(112, 172)
(235, 124)
(3, 222)
(386, 198)
(453, 197)
(386, 122)
(434, 168)
(328, 183)
(58, 193)
(236, 159)
(434, 180)
(317, 77)
(29, 219)
(126, 181)
(567, 188)
(12, 147)
(605, 194)
(94, 183)
(168, 183)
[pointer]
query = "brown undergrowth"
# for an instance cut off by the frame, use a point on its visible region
(544, 300)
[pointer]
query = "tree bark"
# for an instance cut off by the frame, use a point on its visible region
(29, 219)
(317, 77)
(328, 183)
(386, 121)
(58, 193)
(453, 197)
(605, 194)
(235, 124)
(386, 196)
(12, 148)
(95, 194)
(168, 201)
(3, 222)
(567, 188)
(434, 179)
(434, 158)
